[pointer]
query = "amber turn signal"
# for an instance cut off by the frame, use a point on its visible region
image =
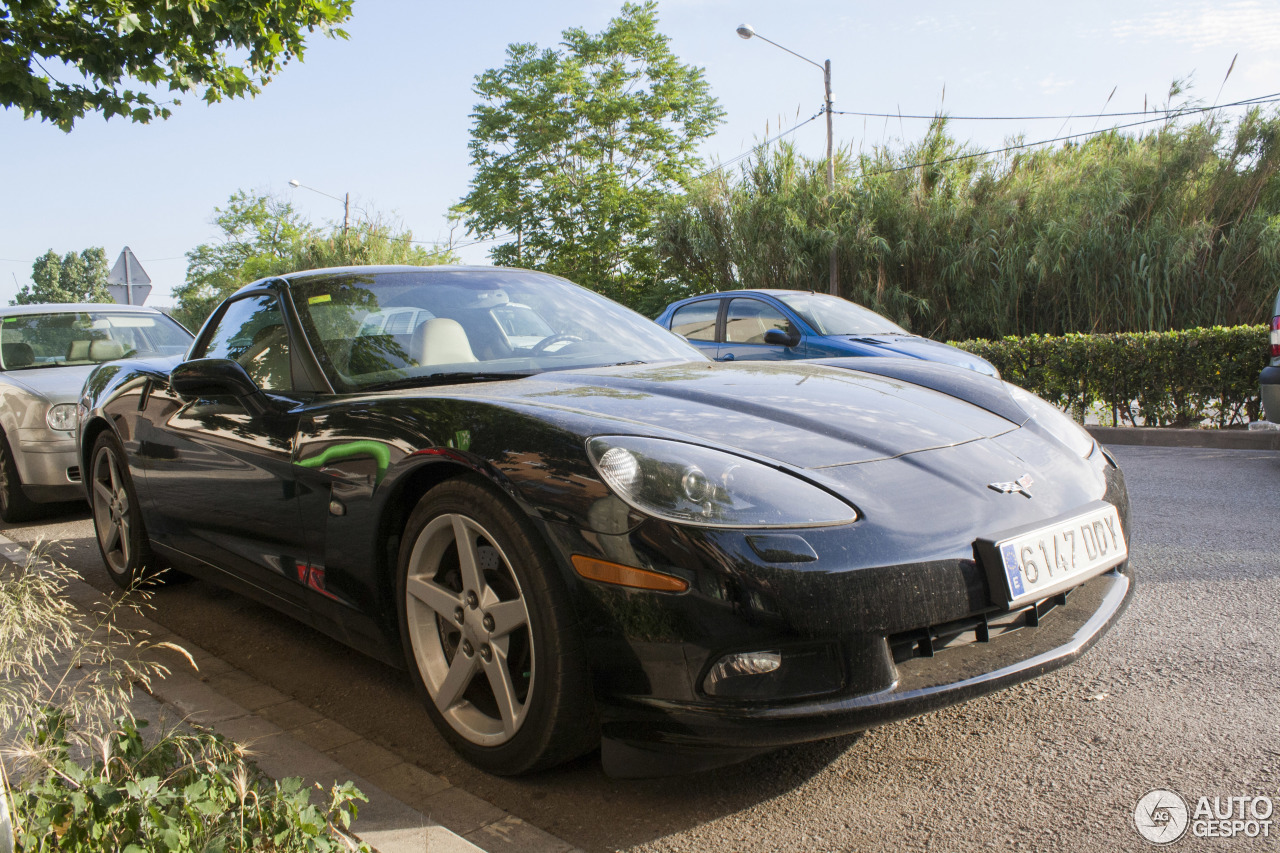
(616, 573)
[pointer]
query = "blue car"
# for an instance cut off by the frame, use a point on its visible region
(777, 325)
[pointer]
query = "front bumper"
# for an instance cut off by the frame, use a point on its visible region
(50, 469)
(1269, 383)
(920, 684)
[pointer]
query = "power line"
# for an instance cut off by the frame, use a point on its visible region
(755, 148)
(452, 246)
(1261, 99)
(1021, 146)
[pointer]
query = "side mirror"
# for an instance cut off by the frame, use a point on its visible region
(777, 337)
(214, 377)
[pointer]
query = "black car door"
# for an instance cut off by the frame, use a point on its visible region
(219, 473)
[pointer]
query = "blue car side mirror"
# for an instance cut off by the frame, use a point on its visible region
(777, 337)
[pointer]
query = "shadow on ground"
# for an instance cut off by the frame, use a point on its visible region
(377, 701)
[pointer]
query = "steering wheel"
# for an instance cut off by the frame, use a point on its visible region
(541, 346)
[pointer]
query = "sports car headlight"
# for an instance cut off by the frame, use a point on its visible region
(1053, 420)
(695, 485)
(61, 417)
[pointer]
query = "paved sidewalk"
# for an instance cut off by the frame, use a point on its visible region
(1224, 439)
(409, 809)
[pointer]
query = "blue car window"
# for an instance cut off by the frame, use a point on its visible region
(748, 319)
(831, 315)
(696, 321)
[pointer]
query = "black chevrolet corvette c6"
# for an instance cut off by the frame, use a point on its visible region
(574, 529)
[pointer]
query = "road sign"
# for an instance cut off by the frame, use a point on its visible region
(129, 283)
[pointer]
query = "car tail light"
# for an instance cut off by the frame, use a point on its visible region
(1275, 337)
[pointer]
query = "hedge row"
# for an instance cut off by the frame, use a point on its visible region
(1144, 378)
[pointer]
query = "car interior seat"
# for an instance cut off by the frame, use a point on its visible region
(745, 330)
(17, 354)
(105, 350)
(441, 341)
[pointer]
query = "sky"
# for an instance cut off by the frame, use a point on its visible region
(385, 114)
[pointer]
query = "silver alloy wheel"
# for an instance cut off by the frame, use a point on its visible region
(111, 511)
(467, 615)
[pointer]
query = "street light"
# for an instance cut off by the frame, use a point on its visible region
(346, 202)
(747, 31)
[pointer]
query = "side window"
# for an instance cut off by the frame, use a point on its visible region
(748, 319)
(697, 321)
(252, 332)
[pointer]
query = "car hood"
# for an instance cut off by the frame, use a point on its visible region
(55, 384)
(914, 346)
(801, 414)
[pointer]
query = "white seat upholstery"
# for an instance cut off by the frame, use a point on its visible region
(441, 341)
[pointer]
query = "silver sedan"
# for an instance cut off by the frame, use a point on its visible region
(46, 352)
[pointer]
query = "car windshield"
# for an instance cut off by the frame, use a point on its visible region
(31, 341)
(831, 315)
(397, 328)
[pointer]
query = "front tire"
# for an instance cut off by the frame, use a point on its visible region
(122, 538)
(15, 506)
(489, 635)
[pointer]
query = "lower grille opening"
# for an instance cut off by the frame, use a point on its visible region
(926, 642)
(73, 474)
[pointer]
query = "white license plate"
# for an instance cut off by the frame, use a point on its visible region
(1059, 556)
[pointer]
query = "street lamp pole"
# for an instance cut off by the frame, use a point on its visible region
(346, 202)
(747, 31)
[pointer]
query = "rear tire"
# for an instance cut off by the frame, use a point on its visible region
(489, 634)
(122, 538)
(15, 506)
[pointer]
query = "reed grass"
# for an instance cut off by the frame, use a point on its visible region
(1172, 229)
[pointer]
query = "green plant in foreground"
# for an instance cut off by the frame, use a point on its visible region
(184, 792)
(81, 773)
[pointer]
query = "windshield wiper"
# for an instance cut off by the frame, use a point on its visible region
(450, 378)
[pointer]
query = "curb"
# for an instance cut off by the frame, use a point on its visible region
(409, 810)
(1222, 439)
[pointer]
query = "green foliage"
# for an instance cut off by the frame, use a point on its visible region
(100, 46)
(79, 773)
(1148, 378)
(181, 793)
(259, 232)
(575, 149)
(1178, 228)
(263, 235)
(72, 278)
(368, 242)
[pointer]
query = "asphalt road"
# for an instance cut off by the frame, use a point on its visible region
(1183, 694)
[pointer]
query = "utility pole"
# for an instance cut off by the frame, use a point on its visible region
(747, 31)
(833, 286)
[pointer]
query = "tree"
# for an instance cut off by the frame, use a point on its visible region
(574, 149)
(262, 235)
(99, 46)
(72, 278)
(258, 233)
